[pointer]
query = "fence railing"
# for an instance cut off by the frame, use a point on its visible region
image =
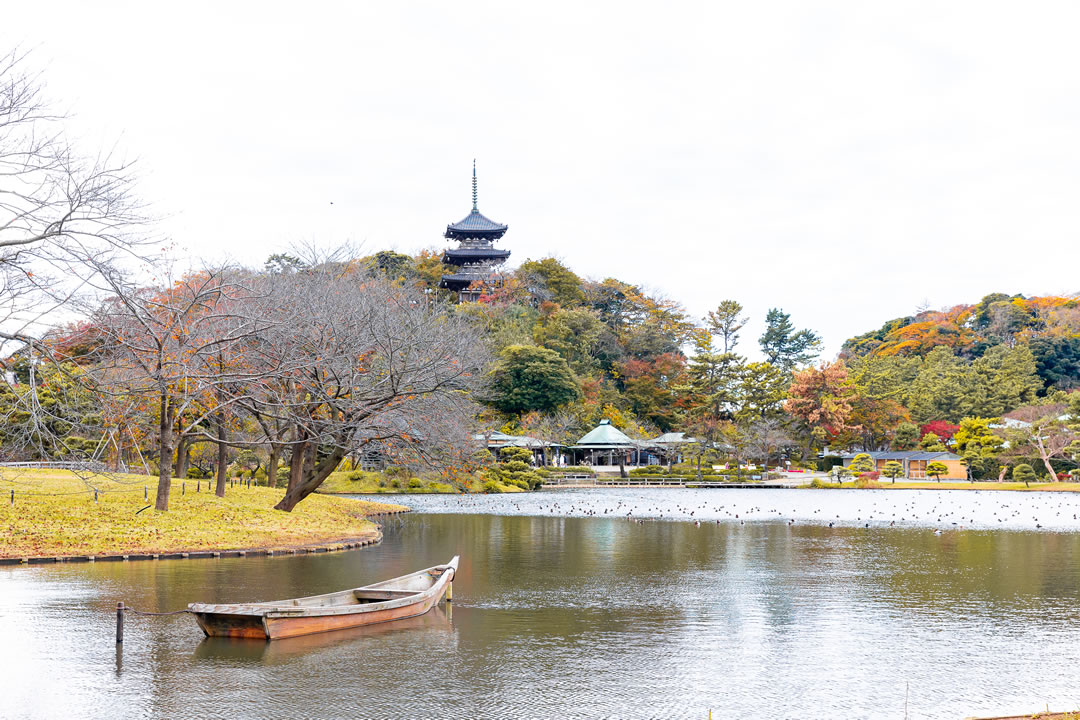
(87, 465)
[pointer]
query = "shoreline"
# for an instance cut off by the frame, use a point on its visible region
(331, 544)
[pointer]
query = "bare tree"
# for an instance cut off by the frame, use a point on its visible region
(766, 438)
(165, 343)
(57, 207)
(361, 365)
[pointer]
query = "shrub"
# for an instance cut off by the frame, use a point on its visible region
(492, 486)
(1023, 473)
(816, 483)
(867, 480)
(396, 471)
(395, 483)
(283, 473)
(440, 487)
(576, 469)
(382, 482)
(355, 476)
(194, 473)
(260, 474)
(415, 483)
(862, 463)
(650, 471)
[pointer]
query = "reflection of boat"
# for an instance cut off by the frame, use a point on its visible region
(403, 597)
(437, 620)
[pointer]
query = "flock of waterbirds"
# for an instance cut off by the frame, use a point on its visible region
(936, 510)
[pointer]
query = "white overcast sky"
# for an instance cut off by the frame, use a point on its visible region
(845, 161)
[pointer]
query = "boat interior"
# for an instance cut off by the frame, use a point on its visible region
(395, 589)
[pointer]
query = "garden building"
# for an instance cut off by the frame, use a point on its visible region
(543, 452)
(607, 446)
(668, 448)
(915, 462)
(475, 259)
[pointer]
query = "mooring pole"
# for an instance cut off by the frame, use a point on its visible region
(119, 623)
(450, 591)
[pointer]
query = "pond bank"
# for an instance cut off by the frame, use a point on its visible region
(885, 484)
(50, 514)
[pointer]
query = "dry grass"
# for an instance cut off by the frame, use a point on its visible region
(55, 514)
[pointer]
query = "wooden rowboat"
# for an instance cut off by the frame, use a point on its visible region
(403, 597)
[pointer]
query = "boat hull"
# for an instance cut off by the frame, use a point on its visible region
(307, 616)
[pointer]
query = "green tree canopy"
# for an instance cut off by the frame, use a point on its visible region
(564, 286)
(906, 436)
(785, 347)
(726, 321)
(531, 378)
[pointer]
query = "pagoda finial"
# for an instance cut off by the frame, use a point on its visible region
(474, 184)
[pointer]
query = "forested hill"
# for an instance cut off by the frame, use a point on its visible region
(1047, 326)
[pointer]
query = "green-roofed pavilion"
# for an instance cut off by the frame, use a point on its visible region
(606, 436)
(607, 445)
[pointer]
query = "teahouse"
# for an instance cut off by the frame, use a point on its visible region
(915, 462)
(606, 445)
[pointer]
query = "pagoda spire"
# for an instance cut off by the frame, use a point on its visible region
(474, 185)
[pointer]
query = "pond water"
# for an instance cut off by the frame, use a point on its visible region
(774, 614)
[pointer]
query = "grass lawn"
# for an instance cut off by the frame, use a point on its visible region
(55, 514)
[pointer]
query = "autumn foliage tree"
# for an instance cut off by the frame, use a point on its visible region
(821, 397)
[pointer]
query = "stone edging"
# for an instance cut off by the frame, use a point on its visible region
(351, 544)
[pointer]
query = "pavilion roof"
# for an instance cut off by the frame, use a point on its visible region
(905, 455)
(500, 440)
(672, 438)
(605, 435)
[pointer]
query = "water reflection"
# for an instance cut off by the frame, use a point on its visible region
(559, 616)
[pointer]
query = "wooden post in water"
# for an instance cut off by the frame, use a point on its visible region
(450, 591)
(119, 623)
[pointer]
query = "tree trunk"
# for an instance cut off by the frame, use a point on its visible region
(1002, 472)
(161, 502)
(222, 457)
(1046, 459)
(271, 465)
(311, 477)
(183, 450)
(297, 460)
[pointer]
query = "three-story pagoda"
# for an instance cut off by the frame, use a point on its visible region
(475, 259)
